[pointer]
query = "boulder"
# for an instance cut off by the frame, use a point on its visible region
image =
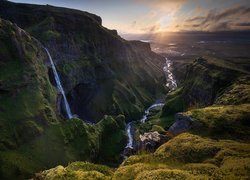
(182, 124)
(151, 140)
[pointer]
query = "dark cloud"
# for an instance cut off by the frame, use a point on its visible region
(198, 18)
(243, 24)
(225, 20)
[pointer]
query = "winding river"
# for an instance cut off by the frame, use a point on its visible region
(171, 84)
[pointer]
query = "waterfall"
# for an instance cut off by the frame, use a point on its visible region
(59, 85)
(130, 136)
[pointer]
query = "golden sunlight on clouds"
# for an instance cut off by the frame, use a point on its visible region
(189, 15)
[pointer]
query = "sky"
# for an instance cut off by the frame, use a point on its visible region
(154, 16)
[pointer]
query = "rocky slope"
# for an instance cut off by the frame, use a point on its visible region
(94, 63)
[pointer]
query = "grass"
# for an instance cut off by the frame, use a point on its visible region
(66, 142)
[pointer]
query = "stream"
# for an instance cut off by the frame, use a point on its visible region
(171, 84)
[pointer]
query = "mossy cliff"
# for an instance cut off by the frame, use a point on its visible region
(101, 72)
(209, 81)
(217, 145)
(33, 136)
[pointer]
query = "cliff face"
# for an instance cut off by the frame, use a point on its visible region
(32, 135)
(205, 82)
(25, 90)
(101, 72)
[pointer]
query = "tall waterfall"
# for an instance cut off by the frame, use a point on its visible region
(59, 85)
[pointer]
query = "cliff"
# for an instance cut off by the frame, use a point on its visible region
(101, 72)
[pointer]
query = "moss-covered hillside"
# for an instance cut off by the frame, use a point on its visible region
(33, 136)
(186, 156)
(216, 145)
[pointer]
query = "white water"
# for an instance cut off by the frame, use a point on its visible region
(59, 85)
(130, 136)
(171, 83)
(146, 112)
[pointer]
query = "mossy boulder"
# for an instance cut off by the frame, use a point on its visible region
(77, 171)
(218, 121)
(189, 156)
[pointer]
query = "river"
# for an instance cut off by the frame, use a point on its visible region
(171, 84)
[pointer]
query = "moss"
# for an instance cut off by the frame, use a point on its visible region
(189, 156)
(78, 170)
(130, 172)
(24, 106)
(62, 142)
(48, 35)
(174, 103)
(229, 121)
(112, 139)
(162, 174)
(237, 93)
(159, 129)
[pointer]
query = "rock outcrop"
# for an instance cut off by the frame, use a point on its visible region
(150, 141)
(182, 124)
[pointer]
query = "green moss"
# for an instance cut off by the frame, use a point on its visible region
(237, 93)
(159, 129)
(189, 156)
(174, 103)
(229, 121)
(78, 170)
(130, 172)
(162, 174)
(48, 35)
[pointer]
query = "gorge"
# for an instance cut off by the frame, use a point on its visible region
(92, 105)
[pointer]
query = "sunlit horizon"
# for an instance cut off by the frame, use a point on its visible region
(163, 16)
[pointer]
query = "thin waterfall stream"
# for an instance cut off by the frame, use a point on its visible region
(171, 84)
(59, 85)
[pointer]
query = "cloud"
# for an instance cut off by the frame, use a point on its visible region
(163, 6)
(133, 24)
(243, 24)
(228, 19)
(152, 29)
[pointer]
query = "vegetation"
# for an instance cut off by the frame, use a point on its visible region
(186, 156)
(190, 157)
(230, 122)
(78, 170)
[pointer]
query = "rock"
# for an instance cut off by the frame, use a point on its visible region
(151, 140)
(182, 124)
(128, 151)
